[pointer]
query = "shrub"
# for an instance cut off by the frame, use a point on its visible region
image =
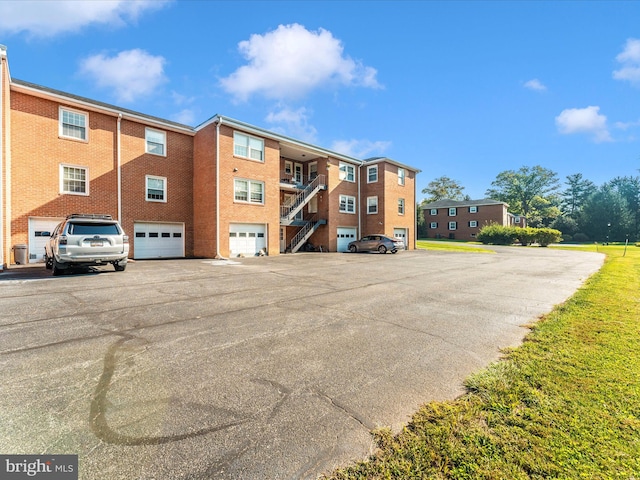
(495, 234)
(580, 237)
(566, 238)
(526, 235)
(545, 236)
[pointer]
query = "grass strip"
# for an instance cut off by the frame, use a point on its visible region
(565, 404)
(450, 246)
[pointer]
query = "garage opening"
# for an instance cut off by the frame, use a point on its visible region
(246, 239)
(158, 240)
(345, 236)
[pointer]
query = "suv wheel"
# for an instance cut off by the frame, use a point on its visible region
(119, 267)
(58, 268)
(48, 263)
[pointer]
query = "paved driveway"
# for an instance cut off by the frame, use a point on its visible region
(270, 367)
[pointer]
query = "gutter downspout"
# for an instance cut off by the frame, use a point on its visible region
(218, 189)
(119, 162)
(3, 55)
(359, 205)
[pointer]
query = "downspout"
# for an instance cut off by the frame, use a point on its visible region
(119, 166)
(359, 206)
(3, 55)
(218, 189)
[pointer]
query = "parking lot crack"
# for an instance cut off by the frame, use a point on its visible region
(344, 409)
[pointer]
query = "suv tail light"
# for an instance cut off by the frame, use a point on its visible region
(125, 239)
(63, 240)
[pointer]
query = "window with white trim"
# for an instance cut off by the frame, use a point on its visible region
(347, 204)
(156, 142)
(434, 211)
(401, 206)
(347, 172)
(433, 225)
(401, 176)
(372, 174)
(473, 224)
(288, 167)
(313, 204)
(473, 209)
(372, 205)
(74, 180)
(156, 189)
(453, 225)
(73, 124)
(248, 147)
(249, 191)
(517, 219)
(453, 211)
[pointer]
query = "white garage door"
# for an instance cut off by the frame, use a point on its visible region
(39, 232)
(246, 238)
(345, 235)
(401, 233)
(158, 240)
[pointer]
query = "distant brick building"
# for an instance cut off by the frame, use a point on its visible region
(463, 219)
(223, 188)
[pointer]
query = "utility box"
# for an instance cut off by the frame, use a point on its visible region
(20, 254)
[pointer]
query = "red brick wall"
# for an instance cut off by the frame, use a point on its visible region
(486, 214)
(335, 188)
(204, 192)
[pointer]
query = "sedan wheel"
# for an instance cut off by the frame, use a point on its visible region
(353, 248)
(382, 249)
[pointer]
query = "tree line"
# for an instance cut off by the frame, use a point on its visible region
(577, 207)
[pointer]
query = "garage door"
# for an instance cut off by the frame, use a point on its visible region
(401, 233)
(345, 235)
(246, 238)
(158, 240)
(39, 232)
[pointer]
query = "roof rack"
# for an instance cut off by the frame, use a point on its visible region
(90, 215)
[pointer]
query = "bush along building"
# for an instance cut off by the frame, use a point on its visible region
(463, 219)
(221, 189)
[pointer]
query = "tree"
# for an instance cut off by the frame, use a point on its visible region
(577, 191)
(629, 188)
(605, 216)
(443, 188)
(530, 191)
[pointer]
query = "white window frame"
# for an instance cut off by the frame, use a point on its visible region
(473, 223)
(401, 176)
(516, 219)
(453, 211)
(433, 225)
(372, 205)
(401, 206)
(453, 225)
(147, 188)
(249, 191)
(347, 204)
(62, 123)
(473, 209)
(347, 172)
(434, 211)
(148, 141)
(254, 147)
(313, 204)
(372, 169)
(85, 193)
(288, 167)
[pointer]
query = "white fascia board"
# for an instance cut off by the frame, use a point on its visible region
(392, 162)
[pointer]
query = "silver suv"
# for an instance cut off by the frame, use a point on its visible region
(84, 240)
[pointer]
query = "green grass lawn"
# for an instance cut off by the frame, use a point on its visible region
(565, 404)
(450, 246)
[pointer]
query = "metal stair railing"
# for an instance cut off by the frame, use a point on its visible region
(304, 233)
(291, 206)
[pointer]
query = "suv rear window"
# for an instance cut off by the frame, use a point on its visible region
(93, 229)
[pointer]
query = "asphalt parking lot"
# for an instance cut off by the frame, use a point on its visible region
(265, 367)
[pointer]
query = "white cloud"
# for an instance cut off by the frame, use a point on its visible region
(130, 74)
(44, 18)
(360, 148)
(630, 60)
(295, 123)
(186, 117)
(584, 120)
(627, 125)
(535, 84)
(291, 61)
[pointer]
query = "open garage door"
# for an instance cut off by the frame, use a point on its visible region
(158, 240)
(246, 238)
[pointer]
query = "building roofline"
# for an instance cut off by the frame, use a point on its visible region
(444, 203)
(373, 160)
(94, 105)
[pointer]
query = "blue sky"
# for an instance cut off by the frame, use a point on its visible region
(465, 89)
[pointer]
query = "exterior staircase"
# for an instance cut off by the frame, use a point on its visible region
(310, 226)
(292, 206)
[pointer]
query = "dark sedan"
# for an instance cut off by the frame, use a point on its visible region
(376, 243)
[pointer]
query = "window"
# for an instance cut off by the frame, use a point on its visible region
(313, 170)
(288, 167)
(248, 147)
(347, 172)
(401, 175)
(248, 191)
(401, 206)
(517, 219)
(453, 211)
(74, 180)
(433, 225)
(473, 209)
(156, 189)
(372, 205)
(473, 223)
(434, 211)
(453, 225)
(156, 141)
(313, 204)
(347, 204)
(372, 174)
(73, 124)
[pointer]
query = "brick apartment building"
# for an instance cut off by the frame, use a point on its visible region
(462, 220)
(221, 189)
